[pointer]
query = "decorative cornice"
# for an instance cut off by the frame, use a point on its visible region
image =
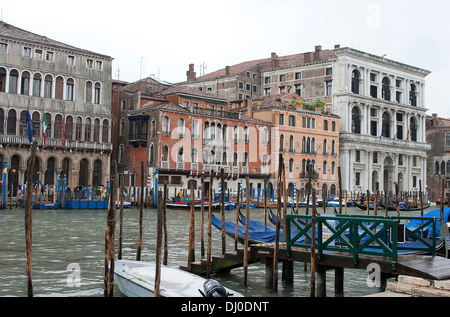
(380, 60)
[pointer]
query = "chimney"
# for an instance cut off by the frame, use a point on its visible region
(318, 49)
(337, 46)
(227, 70)
(274, 60)
(249, 108)
(190, 74)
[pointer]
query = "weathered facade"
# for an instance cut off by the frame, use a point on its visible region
(306, 136)
(380, 103)
(438, 167)
(72, 88)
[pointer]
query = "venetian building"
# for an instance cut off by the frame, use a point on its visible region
(71, 87)
(381, 104)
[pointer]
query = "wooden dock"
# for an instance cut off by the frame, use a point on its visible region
(417, 265)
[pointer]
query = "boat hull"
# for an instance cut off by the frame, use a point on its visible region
(136, 279)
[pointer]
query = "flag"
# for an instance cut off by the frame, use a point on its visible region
(44, 126)
(29, 127)
(63, 128)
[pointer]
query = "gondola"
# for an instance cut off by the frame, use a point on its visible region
(364, 207)
(404, 207)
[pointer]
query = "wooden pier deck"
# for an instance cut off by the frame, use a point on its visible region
(417, 265)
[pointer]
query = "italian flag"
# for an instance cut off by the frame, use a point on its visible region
(44, 126)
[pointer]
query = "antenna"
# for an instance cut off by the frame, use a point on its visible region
(142, 66)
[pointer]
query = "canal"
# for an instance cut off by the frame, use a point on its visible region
(69, 244)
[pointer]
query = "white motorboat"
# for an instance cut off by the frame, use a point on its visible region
(137, 279)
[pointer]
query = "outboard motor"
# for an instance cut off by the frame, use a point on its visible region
(212, 288)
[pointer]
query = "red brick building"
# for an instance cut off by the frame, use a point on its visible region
(183, 133)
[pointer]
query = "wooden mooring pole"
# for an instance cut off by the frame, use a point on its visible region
(141, 215)
(159, 225)
(29, 217)
(191, 251)
(313, 246)
(247, 226)
(208, 255)
(222, 205)
(109, 237)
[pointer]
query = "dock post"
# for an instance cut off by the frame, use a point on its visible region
(339, 282)
(288, 272)
(321, 281)
(269, 272)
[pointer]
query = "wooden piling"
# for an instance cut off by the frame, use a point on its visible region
(441, 218)
(208, 256)
(158, 245)
(247, 228)
(397, 200)
(202, 217)
(237, 217)
(191, 251)
(141, 215)
(109, 239)
(340, 191)
(29, 217)
(119, 247)
(164, 218)
(313, 246)
(222, 194)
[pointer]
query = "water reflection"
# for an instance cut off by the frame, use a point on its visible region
(62, 237)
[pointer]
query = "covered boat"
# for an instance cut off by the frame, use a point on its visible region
(137, 279)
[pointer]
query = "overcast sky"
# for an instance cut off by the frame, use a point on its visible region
(162, 38)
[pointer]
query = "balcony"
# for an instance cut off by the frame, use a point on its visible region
(56, 143)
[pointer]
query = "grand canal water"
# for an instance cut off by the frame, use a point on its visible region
(70, 243)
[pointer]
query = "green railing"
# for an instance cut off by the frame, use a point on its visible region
(369, 235)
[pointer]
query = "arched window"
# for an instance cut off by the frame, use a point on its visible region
(48, 86)
(88, 93)
(325, 147)
(25, 84)
(2, 79)
(11, 122)
(436, 168)
(36, 120)
(413, 129)
(78, 129)
(59, 88)
(57, 133)
(265, 136)
(324, 168)
(291, 144)
(122, 127)
(356, 120)
(97, 173)
(165, 125)
(355, 82)
(105, 131)
(291, 165)
(413, 95)
(37, 79)
(13, 81)
(165, 154)
(385, 89)
(386, 127)
(442, 168)
(87, 130)
(181, 128)
(70, 85)
(69, 128)
(96, 130)
(97, 93)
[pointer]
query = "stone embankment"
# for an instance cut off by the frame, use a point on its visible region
(416, 287)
